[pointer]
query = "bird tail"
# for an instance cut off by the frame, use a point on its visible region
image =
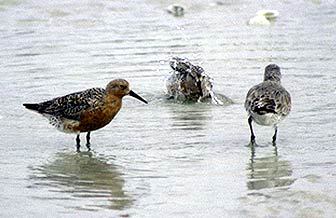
(33, 107)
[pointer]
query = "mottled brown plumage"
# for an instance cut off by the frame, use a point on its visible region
(85, 111)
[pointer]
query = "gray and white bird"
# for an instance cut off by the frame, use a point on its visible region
(268, 103)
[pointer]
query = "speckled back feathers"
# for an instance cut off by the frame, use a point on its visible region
(269, 97)
(70, 106)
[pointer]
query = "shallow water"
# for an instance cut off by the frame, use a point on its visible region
(167, 159)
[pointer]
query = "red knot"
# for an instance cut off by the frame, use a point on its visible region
(87, 110)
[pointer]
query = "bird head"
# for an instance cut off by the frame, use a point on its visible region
(272, 73)
(120, 88)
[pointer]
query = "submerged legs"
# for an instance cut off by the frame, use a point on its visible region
(251, 129)
(88, 141)
(78, 143)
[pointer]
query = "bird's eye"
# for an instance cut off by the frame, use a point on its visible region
(122, 87)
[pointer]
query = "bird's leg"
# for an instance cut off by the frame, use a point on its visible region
(275, 149)
(78, 143)
(88, 141)
(275, 134)
(252, 154)
(252, 134)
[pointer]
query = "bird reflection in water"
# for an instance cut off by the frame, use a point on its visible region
(83, 176)
(269, 171)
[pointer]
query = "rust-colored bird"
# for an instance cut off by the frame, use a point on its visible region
(85, 111)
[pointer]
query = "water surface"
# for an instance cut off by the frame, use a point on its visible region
(167, 159)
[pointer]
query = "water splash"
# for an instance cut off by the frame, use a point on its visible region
(189, 83)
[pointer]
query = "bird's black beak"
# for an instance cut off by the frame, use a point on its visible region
(133, 94)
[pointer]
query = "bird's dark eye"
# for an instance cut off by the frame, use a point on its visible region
(122, 87)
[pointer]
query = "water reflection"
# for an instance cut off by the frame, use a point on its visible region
(269, 171)
(4, 4)
(83, 176)
(189, 116)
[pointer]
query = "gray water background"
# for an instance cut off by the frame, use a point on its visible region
(166, 159)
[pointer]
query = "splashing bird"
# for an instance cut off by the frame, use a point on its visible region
(189, 83)
(85, 111)
(268, 103)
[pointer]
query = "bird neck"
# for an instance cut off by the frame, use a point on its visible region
(113, 99)
(274, 80)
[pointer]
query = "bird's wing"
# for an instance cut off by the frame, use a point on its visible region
(259, 100)
(251, 96)
(71, 106)
(268, 98)
(283, 102)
